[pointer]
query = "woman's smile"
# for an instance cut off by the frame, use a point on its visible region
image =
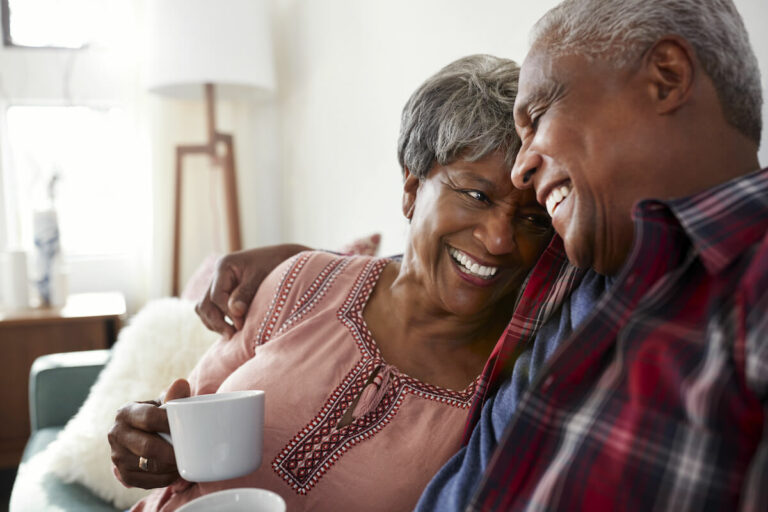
(471, 270)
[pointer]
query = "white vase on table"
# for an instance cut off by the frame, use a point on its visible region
(48, 255)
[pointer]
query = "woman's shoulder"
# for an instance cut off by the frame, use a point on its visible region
(312, 261)
(310, 280)
(312, 269)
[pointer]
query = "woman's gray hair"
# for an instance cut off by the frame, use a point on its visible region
(620, 31)
(463, 111)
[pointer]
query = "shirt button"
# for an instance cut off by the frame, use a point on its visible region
(548, 382)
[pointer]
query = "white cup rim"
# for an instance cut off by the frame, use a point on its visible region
(213, 398)
(209, 499)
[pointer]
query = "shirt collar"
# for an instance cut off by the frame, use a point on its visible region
(722, 221)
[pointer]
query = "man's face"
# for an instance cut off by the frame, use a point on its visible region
(585, 146)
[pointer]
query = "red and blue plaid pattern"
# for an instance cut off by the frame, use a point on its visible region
(659, 400)
(553, 280)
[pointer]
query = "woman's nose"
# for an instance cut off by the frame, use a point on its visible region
(497, 234)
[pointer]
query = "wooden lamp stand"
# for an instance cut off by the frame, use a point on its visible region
(220, 148)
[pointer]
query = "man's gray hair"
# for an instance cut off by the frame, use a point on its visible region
(620, 31)
(463, 111)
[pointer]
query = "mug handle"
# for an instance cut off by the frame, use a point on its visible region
(165, 436)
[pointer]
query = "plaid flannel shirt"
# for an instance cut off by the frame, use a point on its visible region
(659, 400)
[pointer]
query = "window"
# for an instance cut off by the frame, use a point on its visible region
(48, 23)
(71, 112)
(97, 185)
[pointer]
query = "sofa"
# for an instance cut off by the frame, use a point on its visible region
(58, 385)
(73, 400)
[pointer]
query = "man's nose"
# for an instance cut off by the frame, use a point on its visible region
(526, 165)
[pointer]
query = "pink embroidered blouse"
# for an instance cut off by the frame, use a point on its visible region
(306, 344)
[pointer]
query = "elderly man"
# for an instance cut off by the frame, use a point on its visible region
(640, 124)
(635, 378)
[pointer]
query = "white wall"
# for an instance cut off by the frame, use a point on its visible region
(346, 67)
(317, 163)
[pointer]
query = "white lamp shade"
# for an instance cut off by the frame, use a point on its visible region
(223, 42)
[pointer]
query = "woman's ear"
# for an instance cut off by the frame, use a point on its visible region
(410, 190)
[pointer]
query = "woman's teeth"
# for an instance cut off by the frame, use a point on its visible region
(471, 267)
(556, 197)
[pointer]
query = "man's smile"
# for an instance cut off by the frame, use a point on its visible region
(556, 196)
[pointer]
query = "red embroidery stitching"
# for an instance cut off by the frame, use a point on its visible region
(314, 293)
(306, 302)
(314, 450)
(278, 299)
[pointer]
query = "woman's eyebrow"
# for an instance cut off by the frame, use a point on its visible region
(474, 178)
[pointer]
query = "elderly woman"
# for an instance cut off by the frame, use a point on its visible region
(371, 363)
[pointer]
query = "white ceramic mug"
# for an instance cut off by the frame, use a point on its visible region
(216, 437)
(237, 500)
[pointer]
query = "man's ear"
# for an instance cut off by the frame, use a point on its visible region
(410, 190)
(671, 63)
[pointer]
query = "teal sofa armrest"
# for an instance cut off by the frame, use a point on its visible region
(59, 384)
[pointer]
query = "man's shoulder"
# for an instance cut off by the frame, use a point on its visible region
(754, 283)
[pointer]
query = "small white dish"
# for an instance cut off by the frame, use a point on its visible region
(237, 500)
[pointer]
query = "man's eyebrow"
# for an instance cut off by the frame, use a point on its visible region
(545, 92)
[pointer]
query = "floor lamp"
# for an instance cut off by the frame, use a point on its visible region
(209, 48)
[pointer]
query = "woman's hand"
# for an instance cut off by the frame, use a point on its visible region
(141, 457)
(234, 284)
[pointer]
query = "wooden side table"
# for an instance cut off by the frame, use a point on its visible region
(87, 321)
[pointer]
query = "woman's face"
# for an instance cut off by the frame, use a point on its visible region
(473, 235)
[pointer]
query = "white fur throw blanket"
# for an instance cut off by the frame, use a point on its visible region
(161, 343)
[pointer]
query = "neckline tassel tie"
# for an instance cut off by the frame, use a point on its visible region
(373, 392)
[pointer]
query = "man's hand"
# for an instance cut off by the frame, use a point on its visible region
(234, 284)
(134, 437)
